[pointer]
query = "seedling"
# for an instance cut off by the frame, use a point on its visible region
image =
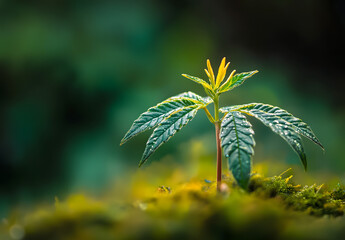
(233, 132)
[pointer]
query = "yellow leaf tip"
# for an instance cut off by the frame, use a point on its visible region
(226, 67)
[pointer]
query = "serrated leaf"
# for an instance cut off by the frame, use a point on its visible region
(236, 81)
(167, 129)
(232, 108)
(238, 142)
(198, 80)
(227, 81)
(189, 94)
(283, 128)
(155, 115)
(299, 126)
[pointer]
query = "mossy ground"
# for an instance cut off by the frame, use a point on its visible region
(272, 208)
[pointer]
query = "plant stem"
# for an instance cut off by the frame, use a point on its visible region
(219, 149)
(216, 108)
(219, 156)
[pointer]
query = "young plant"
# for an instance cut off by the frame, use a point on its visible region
(233, 132)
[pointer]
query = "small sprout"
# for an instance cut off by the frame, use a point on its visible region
(233, 131)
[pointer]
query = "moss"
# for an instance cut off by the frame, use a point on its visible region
(274, 208)
(271, 187)
(315, 200)
(338, 193)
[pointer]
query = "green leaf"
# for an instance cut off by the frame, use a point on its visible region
(232, 108)
(299, 126)
(238, 142)
(236, 81)
(283, 128)
(167, 129)
(155, 115)
(198, 80)
(189, 94)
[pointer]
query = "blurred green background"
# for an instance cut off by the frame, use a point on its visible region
(75, 74)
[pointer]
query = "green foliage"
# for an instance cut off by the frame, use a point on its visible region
(155, 115)
(283, 128)
(198, 80)
(238, 142)
(266, 110)
(236, 81)
(236, 133)
(168, 128)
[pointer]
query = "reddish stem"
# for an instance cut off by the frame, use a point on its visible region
(219, 156)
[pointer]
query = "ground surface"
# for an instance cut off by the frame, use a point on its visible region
(272, 208)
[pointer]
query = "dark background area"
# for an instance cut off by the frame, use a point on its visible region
(75, 74)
